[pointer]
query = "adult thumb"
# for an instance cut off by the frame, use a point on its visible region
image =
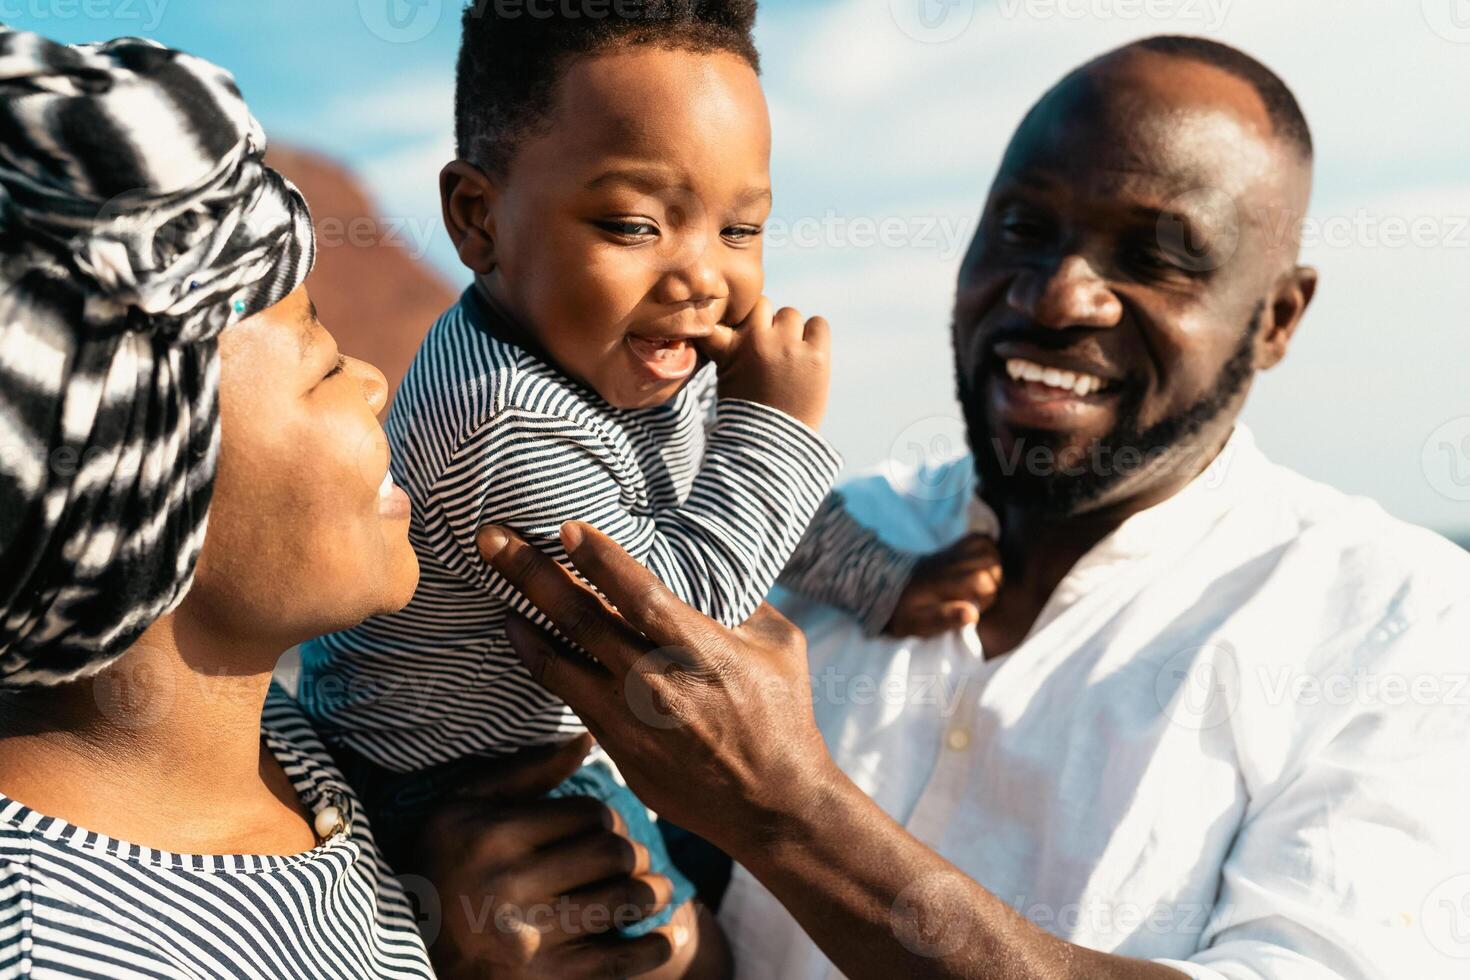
(529, 774)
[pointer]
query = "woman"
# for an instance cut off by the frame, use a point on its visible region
(160, 363)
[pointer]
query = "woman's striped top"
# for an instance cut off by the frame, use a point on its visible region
(75, 903)
(712, 494)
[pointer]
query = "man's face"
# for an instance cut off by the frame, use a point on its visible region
(1115, 301)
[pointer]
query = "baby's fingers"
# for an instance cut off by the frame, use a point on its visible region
(980, 587)
(934, 620)
(956, 615)
(720, 343)
(818, 333)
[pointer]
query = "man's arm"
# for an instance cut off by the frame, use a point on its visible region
(878, 902)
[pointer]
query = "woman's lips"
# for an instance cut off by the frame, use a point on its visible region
(392, 501)
(667, 359)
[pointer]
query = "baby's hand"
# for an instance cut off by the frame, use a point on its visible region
(949, 589)
(777, 359)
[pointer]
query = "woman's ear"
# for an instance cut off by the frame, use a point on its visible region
(467, 197)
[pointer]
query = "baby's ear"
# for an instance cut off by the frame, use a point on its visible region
(467, 197)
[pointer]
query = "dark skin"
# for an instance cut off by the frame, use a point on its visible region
(163, 747)
(1070, 243)
(637, 212)
(879, 902)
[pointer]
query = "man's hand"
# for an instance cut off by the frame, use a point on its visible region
(777, 359)
(949, 589)
(712, 727)
(531, 887)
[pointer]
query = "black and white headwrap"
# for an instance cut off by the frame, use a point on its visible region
(137, 220)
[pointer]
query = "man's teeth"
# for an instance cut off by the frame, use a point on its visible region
(386, 488)
(1076, 382)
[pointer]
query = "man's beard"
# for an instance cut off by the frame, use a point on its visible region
(1036, 476)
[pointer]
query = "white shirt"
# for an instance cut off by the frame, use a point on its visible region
(1236, 741)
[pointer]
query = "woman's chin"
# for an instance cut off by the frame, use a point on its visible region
(404, 579)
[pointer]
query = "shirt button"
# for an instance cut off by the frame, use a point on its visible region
(329, 823)
(958, 739)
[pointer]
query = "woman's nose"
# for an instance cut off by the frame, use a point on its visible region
(374, 384)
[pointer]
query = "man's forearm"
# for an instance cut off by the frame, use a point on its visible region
(881, 904)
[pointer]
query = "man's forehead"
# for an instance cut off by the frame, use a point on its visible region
(1164, 125)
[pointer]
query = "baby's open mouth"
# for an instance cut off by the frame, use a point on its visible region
(667, 358)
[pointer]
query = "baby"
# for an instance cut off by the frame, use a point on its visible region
(613, 362)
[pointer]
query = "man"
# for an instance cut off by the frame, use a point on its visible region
(1213, 725)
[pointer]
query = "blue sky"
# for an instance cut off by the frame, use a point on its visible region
(890, 117)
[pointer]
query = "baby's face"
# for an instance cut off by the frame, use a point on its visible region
(633, 224)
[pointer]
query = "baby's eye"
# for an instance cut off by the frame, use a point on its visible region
(337, 368)
(629, 228)
(741, 233)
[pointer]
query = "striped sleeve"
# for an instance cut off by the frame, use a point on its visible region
(762, 477)
(15, 925)
(845, 564)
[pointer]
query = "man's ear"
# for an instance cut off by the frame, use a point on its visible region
(1283, 314)
(468, 197)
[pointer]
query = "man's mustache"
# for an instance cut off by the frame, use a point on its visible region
(1078, 344)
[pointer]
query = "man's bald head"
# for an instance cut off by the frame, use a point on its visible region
(1203, 120)
(1286, 114)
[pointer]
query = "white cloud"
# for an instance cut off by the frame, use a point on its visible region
(869, 119)
(871, 123)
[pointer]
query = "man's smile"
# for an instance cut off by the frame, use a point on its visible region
(1033, 387)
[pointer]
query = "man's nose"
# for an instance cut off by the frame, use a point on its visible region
(1071, 294)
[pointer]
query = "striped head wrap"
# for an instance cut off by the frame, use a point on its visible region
(137, 220)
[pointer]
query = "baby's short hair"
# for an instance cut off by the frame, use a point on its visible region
(514, 52)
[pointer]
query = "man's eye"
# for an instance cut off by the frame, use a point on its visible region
(1021, 230)
(1152, 260)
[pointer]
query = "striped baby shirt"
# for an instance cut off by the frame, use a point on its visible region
(714, 495)
(75, 903)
